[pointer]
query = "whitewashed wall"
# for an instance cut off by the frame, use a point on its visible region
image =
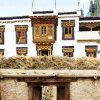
(10, 45)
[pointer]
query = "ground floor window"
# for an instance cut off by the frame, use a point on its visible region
(44, 49)
(68, 51)
(44, 52)
(91, 51)
(21, 51)
(1, 52)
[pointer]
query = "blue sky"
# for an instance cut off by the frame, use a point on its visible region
(23, 7)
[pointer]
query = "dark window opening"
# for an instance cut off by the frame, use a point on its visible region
(96, 28)
(43, 29)
(70, 30)
(61, 93)
(44, 52)
(66, 30)
(83, 28)
(68, 54)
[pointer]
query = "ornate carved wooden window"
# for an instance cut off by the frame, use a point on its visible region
(21, 51)
(44, 50)
(68, 51)
(91, 51)
(2, 34)
(68, 29)
(44, 33)
(21, 34)
(1, 52)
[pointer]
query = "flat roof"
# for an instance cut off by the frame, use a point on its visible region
(14, 17)
(89, 18)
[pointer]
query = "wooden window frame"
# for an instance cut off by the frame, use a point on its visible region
(23, 48)
(21, 29)
(2, 50)
(69, 33)
(68, 54)
(68, 29)
(91, 51)
(69, 50)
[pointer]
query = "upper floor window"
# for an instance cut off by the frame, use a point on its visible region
(1, 52)
(68, 30)
(91, 51)
(44, 33)
(21, 51)
(89, 26)
(2, 34)
(43, 29)
(68, 51)
(21, 34)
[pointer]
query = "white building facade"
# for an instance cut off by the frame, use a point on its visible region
(50, 33)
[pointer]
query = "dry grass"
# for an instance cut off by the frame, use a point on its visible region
(51, 62)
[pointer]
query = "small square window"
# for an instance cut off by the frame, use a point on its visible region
(68, 51)
(21, 51)
(1, 52)
(91, 51)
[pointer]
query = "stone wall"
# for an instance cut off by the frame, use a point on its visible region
(85, 86)
(85, 89)
(13, 90)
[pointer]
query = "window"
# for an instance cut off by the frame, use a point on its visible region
(90, 26)
(43, 29)
(21, 37)
(68, 54)
(91, 51)
(1, 34)
(21, 34)
(21, 51)
(68, 30)
(68, 51)
(1, 52)
(44, 50)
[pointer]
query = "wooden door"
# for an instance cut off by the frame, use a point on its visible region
(63, 92)
(35, 93)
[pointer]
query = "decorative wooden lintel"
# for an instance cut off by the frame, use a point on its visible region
(21, 27)
(47, 80)
(44, 19)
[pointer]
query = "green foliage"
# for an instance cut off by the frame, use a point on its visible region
(49, 62)
(98, 41)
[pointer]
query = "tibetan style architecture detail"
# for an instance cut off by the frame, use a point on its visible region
(44, 33)
(21, 34)
(49, 33)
